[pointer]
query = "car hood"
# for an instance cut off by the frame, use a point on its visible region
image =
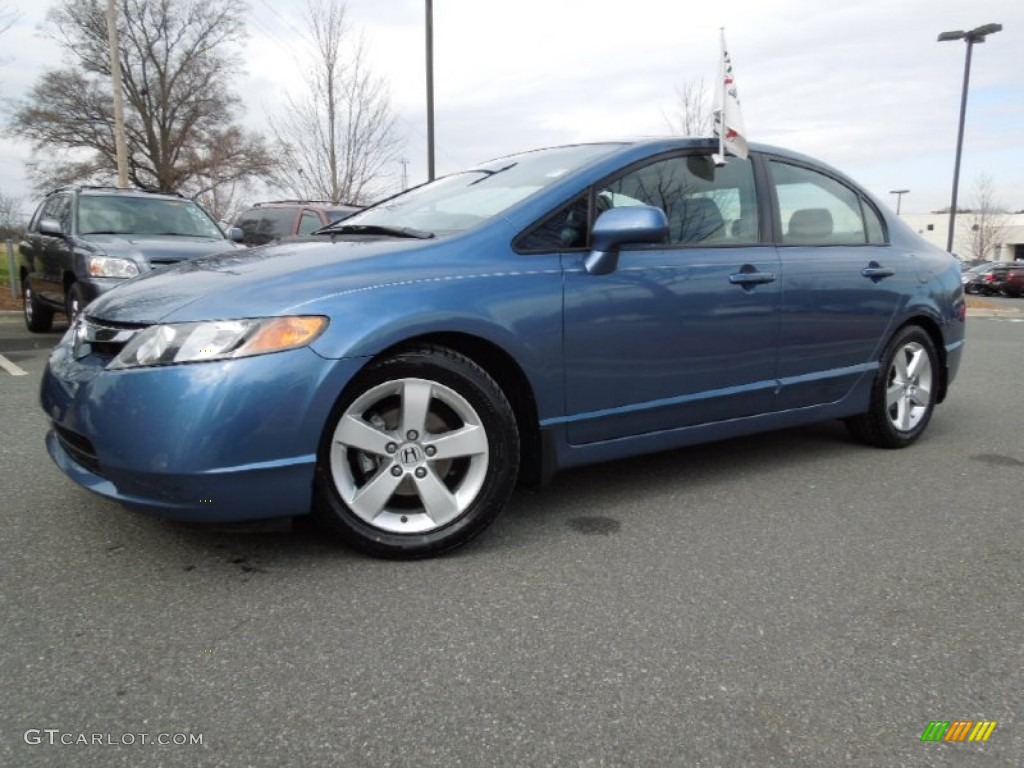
(158, 249)
(265, 281)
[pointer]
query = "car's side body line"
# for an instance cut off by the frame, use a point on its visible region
(569, 455)
(758, 386)
(865, 368)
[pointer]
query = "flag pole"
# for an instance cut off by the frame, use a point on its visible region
(721, 110)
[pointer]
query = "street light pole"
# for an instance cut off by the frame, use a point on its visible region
(899, 197)
(430, 90)
(976, 35)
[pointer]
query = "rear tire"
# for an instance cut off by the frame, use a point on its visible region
(903, 393)
(419, 456)
(38, 319)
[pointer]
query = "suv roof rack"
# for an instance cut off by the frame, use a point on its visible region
(302, 202)
(112, 188)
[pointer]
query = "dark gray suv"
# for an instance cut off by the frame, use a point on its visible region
(83, 241)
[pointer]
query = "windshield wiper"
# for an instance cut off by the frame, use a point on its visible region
(374, 229)
(488, 173)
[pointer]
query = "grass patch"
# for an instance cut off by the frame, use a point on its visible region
(5, 278)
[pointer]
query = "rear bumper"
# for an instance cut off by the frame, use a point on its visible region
(954, 353)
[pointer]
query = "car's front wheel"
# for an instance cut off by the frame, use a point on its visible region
(420, 455)
(903, 393)
(38, 318)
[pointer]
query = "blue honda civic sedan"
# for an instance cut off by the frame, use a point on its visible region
(397, 373)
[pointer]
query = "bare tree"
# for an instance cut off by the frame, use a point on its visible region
(177, 57)
(988, 220)
(694, 112)
(225, 200)
(336, 138)
(7, 20)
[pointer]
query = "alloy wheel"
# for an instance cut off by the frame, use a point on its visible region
(409, 456)
(909, 390)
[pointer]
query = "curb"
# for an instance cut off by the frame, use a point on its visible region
(1007, 314)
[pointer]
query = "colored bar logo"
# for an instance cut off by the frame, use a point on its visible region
(958, 730)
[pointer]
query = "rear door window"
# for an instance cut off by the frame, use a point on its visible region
(815, 209)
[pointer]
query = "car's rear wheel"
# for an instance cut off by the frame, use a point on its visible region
(420, 455)
(38, 318)
(903, 394)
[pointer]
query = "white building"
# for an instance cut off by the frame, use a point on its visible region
(1008, 233)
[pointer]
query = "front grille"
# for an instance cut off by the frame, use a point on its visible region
(79, 448)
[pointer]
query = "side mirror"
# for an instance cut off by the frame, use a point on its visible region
(50, 227)
(623, 226)
(236, 234)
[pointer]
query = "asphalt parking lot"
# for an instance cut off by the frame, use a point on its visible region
(792, 599)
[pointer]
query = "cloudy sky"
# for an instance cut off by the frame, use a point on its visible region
(863, 86)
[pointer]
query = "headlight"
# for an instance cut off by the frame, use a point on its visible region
(108, 266)
(218, 340)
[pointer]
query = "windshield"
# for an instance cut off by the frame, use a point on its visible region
(463, 200)
(137, 215)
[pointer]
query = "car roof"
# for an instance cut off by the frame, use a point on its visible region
(651, 145)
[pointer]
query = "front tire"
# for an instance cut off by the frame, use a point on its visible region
(38, 319)
(903, 394)
(420, 455)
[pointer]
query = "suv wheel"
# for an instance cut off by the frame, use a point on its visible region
(38, 318)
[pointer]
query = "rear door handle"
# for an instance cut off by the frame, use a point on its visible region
(876, 271)
(752, 278)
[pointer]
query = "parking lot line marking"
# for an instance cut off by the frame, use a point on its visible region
(11, 368)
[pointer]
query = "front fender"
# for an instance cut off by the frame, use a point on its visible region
(519, 312)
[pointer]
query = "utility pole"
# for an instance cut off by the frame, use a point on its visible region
(115, 76)
(405, 173)
(430, 90)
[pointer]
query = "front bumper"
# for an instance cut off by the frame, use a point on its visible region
(220, 441)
